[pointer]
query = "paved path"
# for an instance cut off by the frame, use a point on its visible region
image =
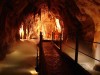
(57, 65)
(21, 60)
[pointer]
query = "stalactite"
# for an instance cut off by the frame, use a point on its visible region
(39, 13)
(35, 11)
(49, 4)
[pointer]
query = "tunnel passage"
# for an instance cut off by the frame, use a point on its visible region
(14, 13)
(48, 23)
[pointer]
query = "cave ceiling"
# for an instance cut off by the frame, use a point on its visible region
(92, 8)
(86, 11)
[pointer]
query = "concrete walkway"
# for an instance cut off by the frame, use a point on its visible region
(21, 60)
(60, 64)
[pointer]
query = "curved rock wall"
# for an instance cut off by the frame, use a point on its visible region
(12, 12)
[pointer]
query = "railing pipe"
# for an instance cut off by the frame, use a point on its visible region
(40, 53)
(60, 41)
(52, 36)
(76, 50)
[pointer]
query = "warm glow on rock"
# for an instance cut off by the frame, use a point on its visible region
(21, 32)
(58, 25)
(33, 72)
(97, 54)
(45, 23)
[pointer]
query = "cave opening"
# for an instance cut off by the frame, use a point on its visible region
(46, 21)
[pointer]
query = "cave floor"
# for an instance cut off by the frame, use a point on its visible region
(22, 58)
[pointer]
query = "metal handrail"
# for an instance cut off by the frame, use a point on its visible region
(94, 42)
(84, 54)
(55, 45)
(41, 61)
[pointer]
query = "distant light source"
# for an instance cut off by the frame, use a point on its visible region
(21, 32)
(33, 72)
(46, 23)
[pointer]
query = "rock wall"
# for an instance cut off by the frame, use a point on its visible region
(12, 12)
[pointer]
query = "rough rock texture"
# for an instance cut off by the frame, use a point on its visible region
(12, 12)
(92, 9)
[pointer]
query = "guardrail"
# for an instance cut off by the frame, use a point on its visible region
(84, 53)
(59, 41)
(75, 49)
(40, 60)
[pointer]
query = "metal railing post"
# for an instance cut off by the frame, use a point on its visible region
(37, 62)
(40, 40)
(40, 45)
(76, 50)
(52, 36)
(42, 63)
(38, 58)
(60, 41)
